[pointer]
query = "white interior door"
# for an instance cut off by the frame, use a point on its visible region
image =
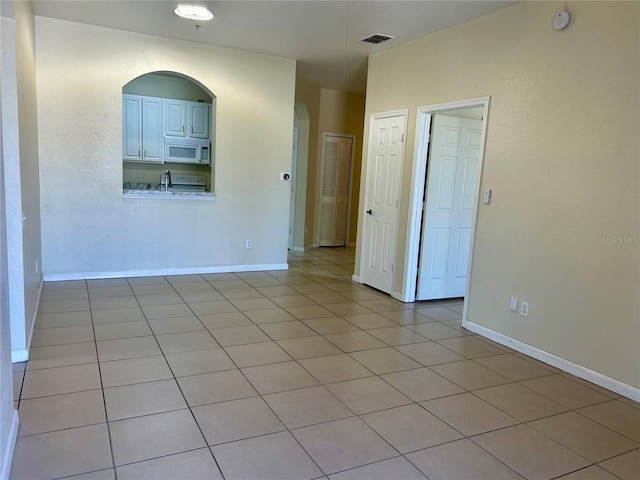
(335, 190)
(453, 169)
(384, 176)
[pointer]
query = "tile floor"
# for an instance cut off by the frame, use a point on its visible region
(296, 374)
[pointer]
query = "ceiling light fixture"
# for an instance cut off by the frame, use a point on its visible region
(193, 12)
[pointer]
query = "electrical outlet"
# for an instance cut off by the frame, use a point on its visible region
(513, 304)
(249, 244)
(524, 309)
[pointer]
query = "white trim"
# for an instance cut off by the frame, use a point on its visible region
(35, 315)
(362, 221)
(19, 355)
(356, 278)
(22, 354)
(573, 368)
(299, 249)
(397, 296)
(293, 188)
(54, 277)
(418, 179)
(7, 455)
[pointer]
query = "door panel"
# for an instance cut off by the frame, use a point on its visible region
(131, 127)
(152, 139)
(471, 170)
(462, 256)
(447, 184)
(453, 169)
(199, 119)
(381, 200)
(175, 118)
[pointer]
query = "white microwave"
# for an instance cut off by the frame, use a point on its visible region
(186, 150)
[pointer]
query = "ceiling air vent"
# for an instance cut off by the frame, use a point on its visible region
(377, 38)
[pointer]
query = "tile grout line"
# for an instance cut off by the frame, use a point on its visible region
(314, 275)
(175, 379)
(104, 400)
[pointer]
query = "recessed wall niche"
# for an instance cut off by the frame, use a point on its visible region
(168, 123)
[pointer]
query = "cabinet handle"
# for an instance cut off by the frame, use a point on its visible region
(182, 128)
(145, 154)
(191, 130)
(138, 152)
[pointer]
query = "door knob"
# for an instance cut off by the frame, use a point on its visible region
(370, 212)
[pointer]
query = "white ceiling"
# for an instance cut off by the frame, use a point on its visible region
(323, 36)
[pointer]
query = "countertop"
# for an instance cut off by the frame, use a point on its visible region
(168, 195)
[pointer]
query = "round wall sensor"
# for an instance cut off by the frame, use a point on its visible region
(562, 20)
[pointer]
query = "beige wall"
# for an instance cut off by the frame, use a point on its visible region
(6, 377)
(309, 95)
(354, 124)
(81, 71)
(330, 111)
(562, 158)
(21, 170)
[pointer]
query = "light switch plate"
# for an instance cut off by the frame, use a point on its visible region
(513, 304)
(486, 196)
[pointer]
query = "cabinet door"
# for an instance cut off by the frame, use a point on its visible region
(198, 125)
(175, 118)
(131, 128)
(152, 130)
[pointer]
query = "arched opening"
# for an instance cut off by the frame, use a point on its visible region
(168, 124)
(300, 160)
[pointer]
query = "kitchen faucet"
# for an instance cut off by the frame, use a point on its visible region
(167, 181)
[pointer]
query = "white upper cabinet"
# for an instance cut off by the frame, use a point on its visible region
(131, 128)
(152, 138)
(142, 129)
(198, 120)
(147, 120)
(175, 118)
(187, 119)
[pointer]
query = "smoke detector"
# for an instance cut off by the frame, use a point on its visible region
(562, 20)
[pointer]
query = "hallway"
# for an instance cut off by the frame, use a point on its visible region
(297, 374)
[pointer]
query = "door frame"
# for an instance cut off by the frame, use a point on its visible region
(320, 171)
(293, 188)
(367, 176)
(417, 189)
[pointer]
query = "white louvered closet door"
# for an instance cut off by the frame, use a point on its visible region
(335, 190)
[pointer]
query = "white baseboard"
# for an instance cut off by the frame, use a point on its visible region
(356, 278)
(398, 296)
(573, 368)
(7, 455)
(22, 354)
(19, 355)
(54, 277)
(297, 249)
